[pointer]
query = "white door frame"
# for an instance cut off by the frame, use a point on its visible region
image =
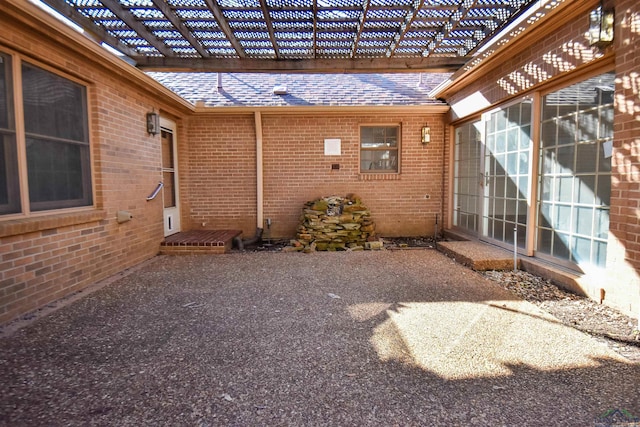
(171, 214)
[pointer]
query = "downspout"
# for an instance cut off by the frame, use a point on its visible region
(259, 172)
(238, 242)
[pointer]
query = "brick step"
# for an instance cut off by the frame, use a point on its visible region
(199, 242)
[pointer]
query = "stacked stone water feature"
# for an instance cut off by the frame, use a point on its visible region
(335, 224)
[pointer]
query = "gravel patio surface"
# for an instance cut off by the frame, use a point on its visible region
(340, 339)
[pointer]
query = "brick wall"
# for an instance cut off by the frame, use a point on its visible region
(296, 170)
(623, 254)
(222, 182)
(219, 184)
(48, 256)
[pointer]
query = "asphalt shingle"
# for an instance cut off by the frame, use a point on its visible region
(257, 89)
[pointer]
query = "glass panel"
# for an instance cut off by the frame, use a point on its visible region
(561, 246)
(564, 187)
(9, 181)
(586, 157)
(167, 150)
(585, 185)
(58, 168)
(583, 220)
(169, 191)
(562, 218)
(57, 174)
(6, 93)
(385, 160)
(466, 176)
(581, 249)
(601, 230)
(53, 106)
(545, 215)
(9, 184)
(585, 122)
(522, 236)
(548, 133)
(379, 136)
(565, 159)
(599, 253)
(604, 190)
(545, 240)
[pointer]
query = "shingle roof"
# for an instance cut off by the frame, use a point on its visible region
(257, 89)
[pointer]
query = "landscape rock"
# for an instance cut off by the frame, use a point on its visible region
(335, 224)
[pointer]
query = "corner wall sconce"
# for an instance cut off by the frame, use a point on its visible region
(153, 123)
(426, 135)
(601, 27)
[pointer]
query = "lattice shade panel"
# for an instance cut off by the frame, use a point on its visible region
(167, 31)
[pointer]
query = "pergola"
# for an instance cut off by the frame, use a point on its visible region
(294, 35)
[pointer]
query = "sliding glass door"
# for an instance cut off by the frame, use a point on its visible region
(507, 154)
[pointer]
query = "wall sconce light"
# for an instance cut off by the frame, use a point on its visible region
(153, 123)
(426, 135)
(601, 27)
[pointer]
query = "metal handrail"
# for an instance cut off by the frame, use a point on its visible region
(155, 192)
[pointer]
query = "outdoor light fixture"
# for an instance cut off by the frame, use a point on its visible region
(153, 123)
(601, 27)
(426, 135)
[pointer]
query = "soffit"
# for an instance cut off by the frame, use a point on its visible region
(294, 35)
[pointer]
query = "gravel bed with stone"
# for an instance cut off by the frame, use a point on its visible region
(618, 331)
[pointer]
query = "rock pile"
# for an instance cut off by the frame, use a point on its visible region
(335, 224)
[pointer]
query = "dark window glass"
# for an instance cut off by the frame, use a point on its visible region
(9, 183)
(58, 161)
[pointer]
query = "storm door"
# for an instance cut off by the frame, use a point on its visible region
(506, 172)
(170, 178)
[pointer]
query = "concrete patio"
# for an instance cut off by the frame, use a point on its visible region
(336, 338)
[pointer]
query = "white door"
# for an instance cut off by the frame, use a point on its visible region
(507, 170)
(170, 177)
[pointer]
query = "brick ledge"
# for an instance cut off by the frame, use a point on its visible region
(14, 227)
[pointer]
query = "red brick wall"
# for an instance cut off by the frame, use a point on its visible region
(222, 182)
(296, 170)
(625, 194)
(219, 183)
(55, 254)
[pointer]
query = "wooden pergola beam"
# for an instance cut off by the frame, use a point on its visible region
(95, 32)
(318, 65)
(269, 24)
(137, 26)
(182, 29)
(224, 26)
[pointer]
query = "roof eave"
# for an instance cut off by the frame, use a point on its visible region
(420, 109)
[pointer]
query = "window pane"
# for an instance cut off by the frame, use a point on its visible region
(578, 175)
(53, 106)
(57, 174)
(379, 160)
(58, 162)
(9, 184)
(6, 119)
(379, 148)
(379, 137)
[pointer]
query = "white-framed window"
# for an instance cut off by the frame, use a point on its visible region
(380, 149)
(575, 171)
(44, 158)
